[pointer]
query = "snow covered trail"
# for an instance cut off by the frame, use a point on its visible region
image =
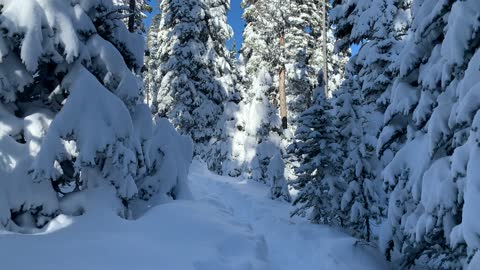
(230, 225)
(290, 244)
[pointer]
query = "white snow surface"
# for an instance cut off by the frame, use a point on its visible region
(230, 224)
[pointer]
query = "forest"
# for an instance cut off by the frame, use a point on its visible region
(340, 134)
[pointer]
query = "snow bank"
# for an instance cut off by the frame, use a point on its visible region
(231, 224)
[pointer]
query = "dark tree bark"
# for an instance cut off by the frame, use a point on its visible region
(281, 88)
(131, 19)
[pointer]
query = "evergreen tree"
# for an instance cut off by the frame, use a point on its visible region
(150, 80)
(319, 164)
(380, 26)
(281, 38)
(260, 137)
(71, 118)
(254, 51)
(233, 52)
(362, 201)
(300, 25)
(431, 119)
(195, 75)
(254, 140)
(304, 55)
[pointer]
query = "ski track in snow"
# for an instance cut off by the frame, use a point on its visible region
(230, 225)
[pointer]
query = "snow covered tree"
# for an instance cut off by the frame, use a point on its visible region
(150, 80)
(431, 119)
(259, 133)
(362, 201)
(267, 22)
(254, 48)
(284, 36)
(303, 28)
(257, 93)
(280, 38)
(233, 52)
(194, 70)
(415, 69)
(336, 63)
(71, 118)
(379, 26)
(319, 156)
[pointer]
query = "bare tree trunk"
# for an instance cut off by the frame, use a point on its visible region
(148, 95)
(131, 19)
(324, 47)
(281, 88)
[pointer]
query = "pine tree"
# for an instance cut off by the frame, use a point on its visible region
(305, 54)
(299, 24)
(379, 26)
(319, 169)
(71, 118)
(260, 137)
(255, 47)
(233, 52)
(150, 80)
(431, 120)
(195, 75)
(362, 201)
(253, 140)
(265, 46)
(281, 38)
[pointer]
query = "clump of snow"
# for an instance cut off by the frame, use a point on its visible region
(276, 179)
(168, 173)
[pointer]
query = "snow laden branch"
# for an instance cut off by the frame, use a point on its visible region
(72, 119)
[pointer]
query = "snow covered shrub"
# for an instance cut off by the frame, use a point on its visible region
(70, 112)
(276, 179)
(169, 156)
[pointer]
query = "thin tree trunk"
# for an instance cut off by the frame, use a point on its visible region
(324, 47)
(281, 89)
(131, 19)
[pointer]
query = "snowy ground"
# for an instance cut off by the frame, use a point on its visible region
(230, 224)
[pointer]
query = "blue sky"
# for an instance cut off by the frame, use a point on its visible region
(235, 20)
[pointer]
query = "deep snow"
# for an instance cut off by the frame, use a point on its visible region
(230, 224)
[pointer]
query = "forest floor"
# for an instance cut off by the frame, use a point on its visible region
(230, 224)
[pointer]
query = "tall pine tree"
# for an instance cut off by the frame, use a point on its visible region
(193, 72)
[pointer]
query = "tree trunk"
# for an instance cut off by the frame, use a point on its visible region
(131, 19)
(281, 88)
(324, 47)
